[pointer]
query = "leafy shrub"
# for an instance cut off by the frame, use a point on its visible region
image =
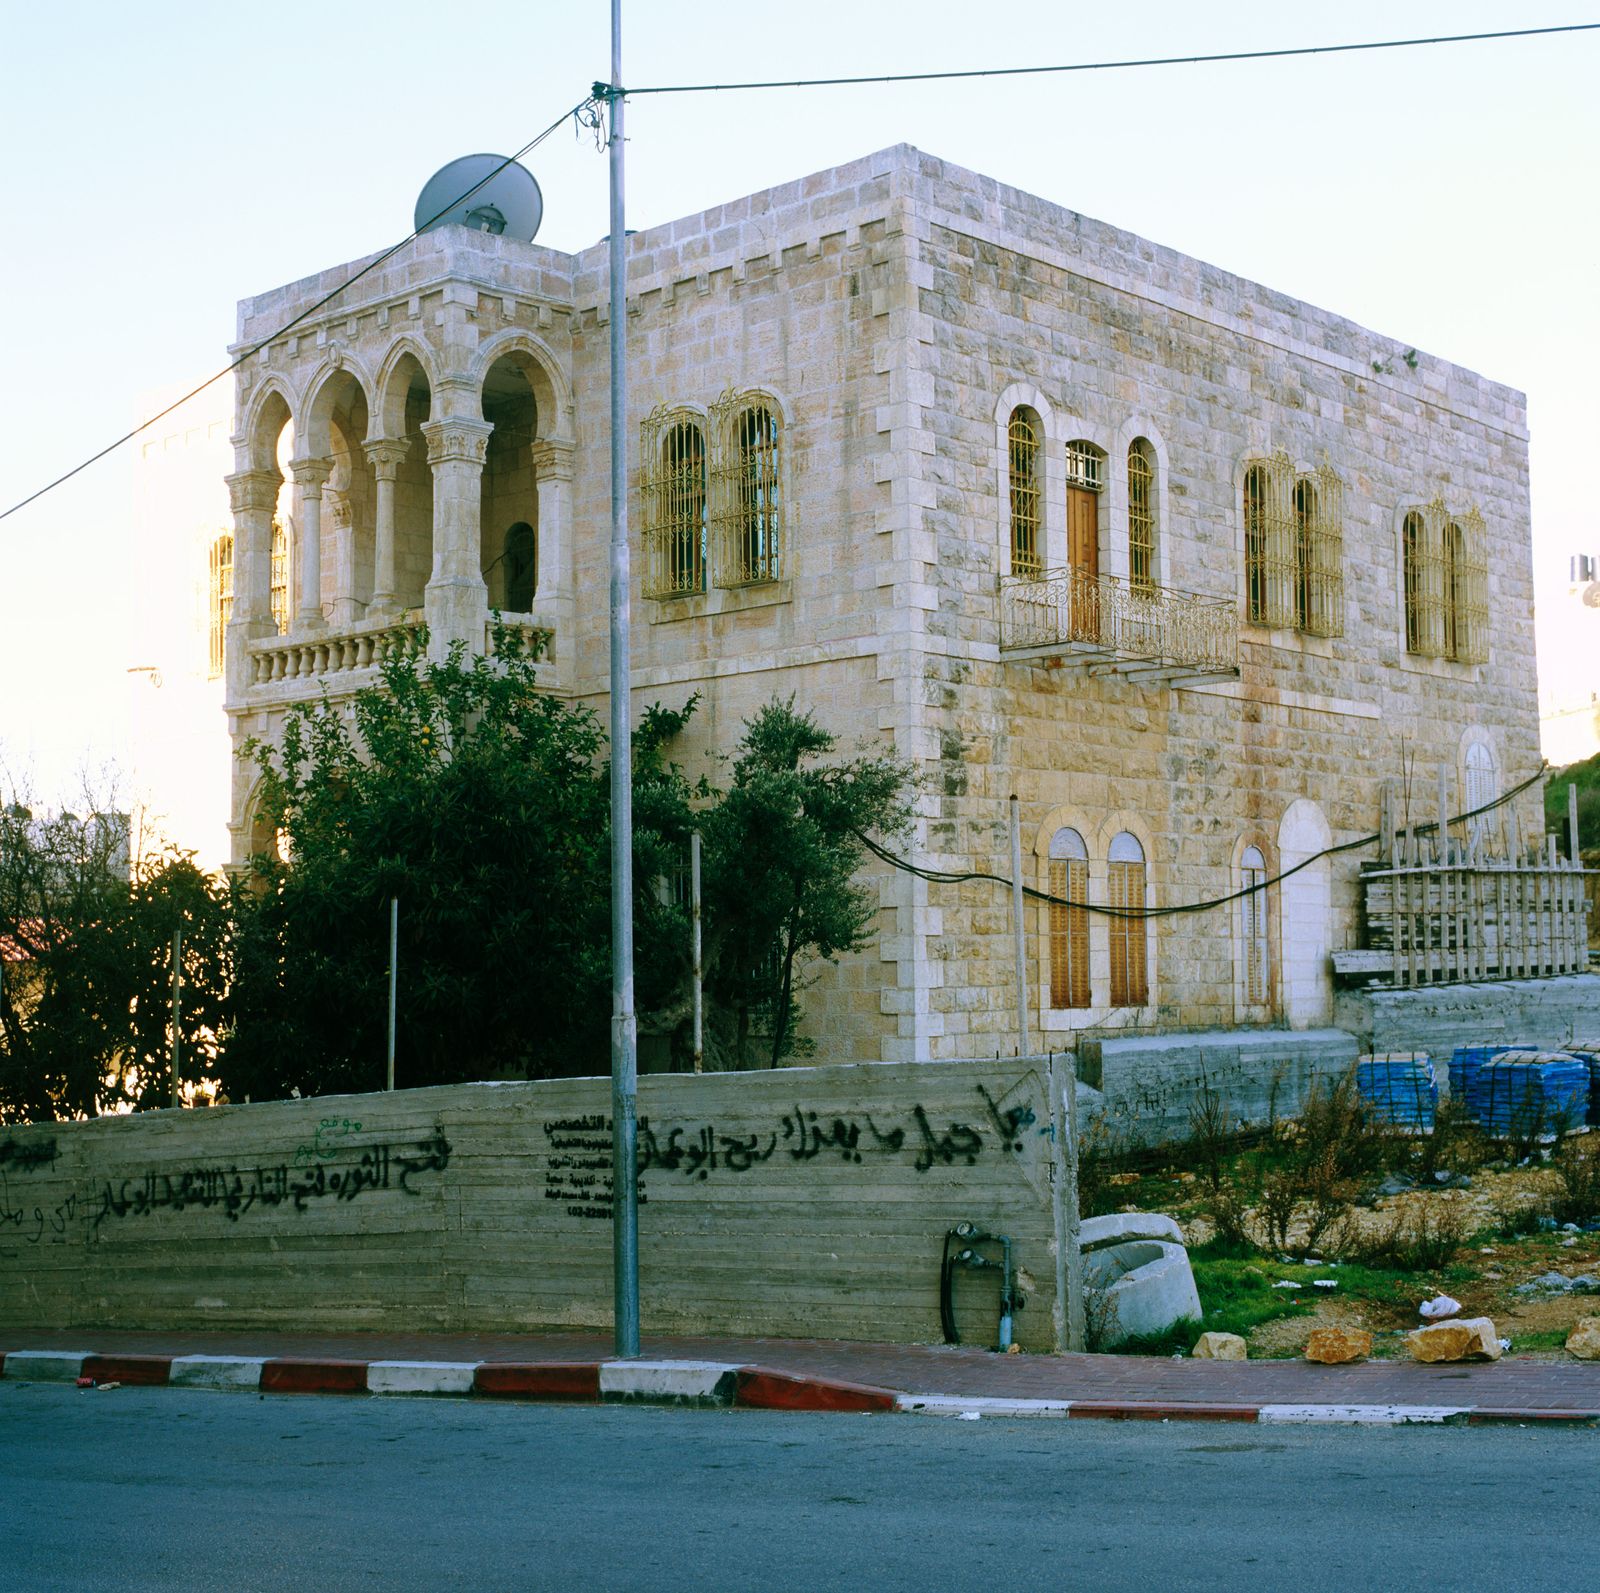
(1577, 1165)
(1422, 1236)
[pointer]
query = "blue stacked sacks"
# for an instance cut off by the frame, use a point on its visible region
(1589, 1051)
(1465, 1061)
(1528, 1091)
(1399, 1087)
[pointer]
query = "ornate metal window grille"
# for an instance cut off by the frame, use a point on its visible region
(1069, 926)
(1023, 437)
(748, 493)
(1141, 518)
(1446, 584)
(1253, 926)
(1413, 569)
(673, 455)
(1294, 546)
(220, 607)
(1125, 888)
(1086, 467)
(278, 577)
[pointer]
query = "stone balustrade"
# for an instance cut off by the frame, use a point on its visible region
(319, 654)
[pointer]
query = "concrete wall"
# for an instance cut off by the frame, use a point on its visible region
(809, 1201)
(1545, 1012)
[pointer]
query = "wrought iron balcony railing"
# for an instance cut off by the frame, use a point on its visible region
(1107, 623)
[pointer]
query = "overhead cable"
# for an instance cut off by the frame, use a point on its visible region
(1111, 66)
(304, 315)
(941, 877)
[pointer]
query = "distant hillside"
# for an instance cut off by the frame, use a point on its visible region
(1586, 776)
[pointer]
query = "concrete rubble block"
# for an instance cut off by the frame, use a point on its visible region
(685, 1382)
(216, 1371)
(1220, 1347)
(1473, 1339)
(45, 1366)
(1584, 1340)
(1138, 1288)
(1333, 1346)
(1094, 1232)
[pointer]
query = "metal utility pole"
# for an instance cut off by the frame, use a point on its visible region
(699, 965)
(1018, 936)
(394, 968)
(624, 1023)
(177, 1014)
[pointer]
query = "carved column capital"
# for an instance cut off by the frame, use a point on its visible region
(458, 439)
(553, 460)
(253, 491)
(341, 510)
(386, 455)
(310, 474)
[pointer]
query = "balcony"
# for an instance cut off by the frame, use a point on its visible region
(345, 659)
(1101, 625)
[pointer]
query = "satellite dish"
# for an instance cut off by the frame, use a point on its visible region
(508, 202)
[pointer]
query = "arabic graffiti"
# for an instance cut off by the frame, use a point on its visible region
(578, 1168)
(237, 1190)
(27, 1153)
(325, 1143)
(54, 1221)
(580, 1175)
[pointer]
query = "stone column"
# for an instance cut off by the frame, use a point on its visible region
(342, 512)
(553, 598)
(309, 476)
(458, 597)
(386, 454)
(253, 495)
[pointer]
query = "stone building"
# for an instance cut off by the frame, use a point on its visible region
(1190, 567)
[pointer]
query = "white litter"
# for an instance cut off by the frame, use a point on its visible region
(1324, 1283)
(970, 1416)
(1285, 1283)
(1440, 1306)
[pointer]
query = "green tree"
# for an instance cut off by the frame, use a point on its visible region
(86, 988)
(479, 801)
(782, 854)
(1586, 777)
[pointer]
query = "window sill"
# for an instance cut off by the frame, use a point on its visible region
(720, 600)
(1290, 641)
(1438, 668)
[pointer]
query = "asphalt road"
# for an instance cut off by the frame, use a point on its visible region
(182, 1490)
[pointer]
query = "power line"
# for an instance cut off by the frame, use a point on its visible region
(1113, 66)
(306, 314)
(939, 877)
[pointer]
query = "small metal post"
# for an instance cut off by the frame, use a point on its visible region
(1444, 819)
(1572, 823)
(394, 969)
(177, 1015)
(699, 967)
(1018, 936)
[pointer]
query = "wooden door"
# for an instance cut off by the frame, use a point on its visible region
(1083, 555)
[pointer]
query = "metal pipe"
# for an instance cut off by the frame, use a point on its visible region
(624, 1023)
(394, 966)
(1572, 823)
(699, 966)
(177, 1015)
(1017, 935)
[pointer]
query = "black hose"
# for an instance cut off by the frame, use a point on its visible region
(947, 1312)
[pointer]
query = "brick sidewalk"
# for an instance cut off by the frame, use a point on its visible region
(1513, 1388)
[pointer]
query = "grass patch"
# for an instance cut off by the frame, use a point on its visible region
(1550, 1339)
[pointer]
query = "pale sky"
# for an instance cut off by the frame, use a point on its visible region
(163, 161)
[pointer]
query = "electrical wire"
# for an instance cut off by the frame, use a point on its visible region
(1112, 66)
(941, 877)
(288, 326)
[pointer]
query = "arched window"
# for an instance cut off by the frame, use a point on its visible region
(751, 543)
(278, 578)
(1023, 436)
(1141, 516)
(1255, 543)
(1452, 579)
(220, 607)
(1483, 781)
(1069, 926)
(1412, 557)
(1253, 927)
(1305, 519)
(1125, 888)
(673, 451)
(521, 557)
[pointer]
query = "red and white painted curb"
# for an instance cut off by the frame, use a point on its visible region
(686, 1382)
(680, 1382)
